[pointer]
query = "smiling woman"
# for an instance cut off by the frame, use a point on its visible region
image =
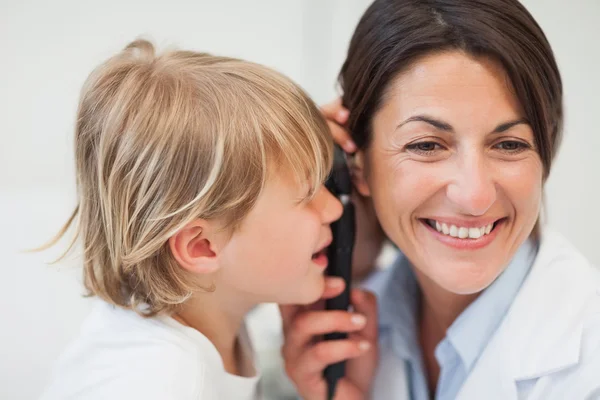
(456, 112)
(451, 133)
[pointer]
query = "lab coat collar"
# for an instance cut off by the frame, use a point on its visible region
(542, 334)
(544, 330)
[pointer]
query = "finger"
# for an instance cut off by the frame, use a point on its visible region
(331, 109)
(321, 322)
(337, 116)
(310, 324)
(341, 137)
(327, 352)
(336, 111)
(341, 116)
(334, 286)
(365, 303)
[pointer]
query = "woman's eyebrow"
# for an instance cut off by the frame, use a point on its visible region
(507, 125)
(436, 123)
(444, 126)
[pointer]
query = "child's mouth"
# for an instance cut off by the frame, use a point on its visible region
(320, 258)
(322, 252)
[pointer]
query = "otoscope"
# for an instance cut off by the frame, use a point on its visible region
(339, 255)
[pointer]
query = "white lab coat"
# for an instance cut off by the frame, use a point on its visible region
(546, 348)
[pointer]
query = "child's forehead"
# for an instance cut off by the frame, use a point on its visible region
(286, 177)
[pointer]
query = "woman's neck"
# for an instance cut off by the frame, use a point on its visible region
(220, 320)
(438, 311)
(442, 306)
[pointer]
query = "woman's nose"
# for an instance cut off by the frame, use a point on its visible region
(473, 190)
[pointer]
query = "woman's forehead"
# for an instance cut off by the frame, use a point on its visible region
(451, 72)
(452, 84)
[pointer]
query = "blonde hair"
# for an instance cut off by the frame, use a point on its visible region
(161, 140)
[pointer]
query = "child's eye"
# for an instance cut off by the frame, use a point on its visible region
(424, 148)
(307, 196)
(512, 146)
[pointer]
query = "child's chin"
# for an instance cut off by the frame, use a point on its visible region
(310, 293)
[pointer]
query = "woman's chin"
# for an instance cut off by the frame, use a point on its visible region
(465, 278)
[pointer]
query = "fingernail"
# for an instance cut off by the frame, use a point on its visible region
(358, 319)
(364, 345)
(334, 282)
(342, 114)
(350, 146)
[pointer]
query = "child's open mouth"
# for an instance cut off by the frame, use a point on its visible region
(322, 252)
(320, 257)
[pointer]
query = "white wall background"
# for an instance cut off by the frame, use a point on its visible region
(47, 50)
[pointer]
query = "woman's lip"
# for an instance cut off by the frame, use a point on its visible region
(465, 244)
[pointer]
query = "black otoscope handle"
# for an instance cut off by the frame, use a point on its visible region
(340, 261)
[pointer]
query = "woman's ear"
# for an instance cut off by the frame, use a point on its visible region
(194, 249)
(358, 171)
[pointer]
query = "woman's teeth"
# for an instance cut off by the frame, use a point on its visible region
(459, 231)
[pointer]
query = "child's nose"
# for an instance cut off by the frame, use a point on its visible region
(328, 205)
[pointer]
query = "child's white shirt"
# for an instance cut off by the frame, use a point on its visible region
(121, 355)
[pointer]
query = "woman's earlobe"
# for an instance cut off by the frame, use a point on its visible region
(358, 171)
(193, 249)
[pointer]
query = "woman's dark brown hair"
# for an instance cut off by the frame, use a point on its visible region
(394, 33)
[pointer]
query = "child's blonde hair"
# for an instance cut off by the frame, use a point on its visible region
(161, 140)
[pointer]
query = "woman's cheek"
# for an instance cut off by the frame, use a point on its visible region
(522, 183)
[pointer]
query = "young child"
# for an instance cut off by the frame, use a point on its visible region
(200, 196)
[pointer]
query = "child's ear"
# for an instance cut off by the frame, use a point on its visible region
(194, 249)
(358, 171)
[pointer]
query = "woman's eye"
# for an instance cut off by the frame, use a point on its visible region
(424, 147)
(512, 146)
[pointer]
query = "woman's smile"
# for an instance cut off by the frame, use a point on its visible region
(463, 235)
